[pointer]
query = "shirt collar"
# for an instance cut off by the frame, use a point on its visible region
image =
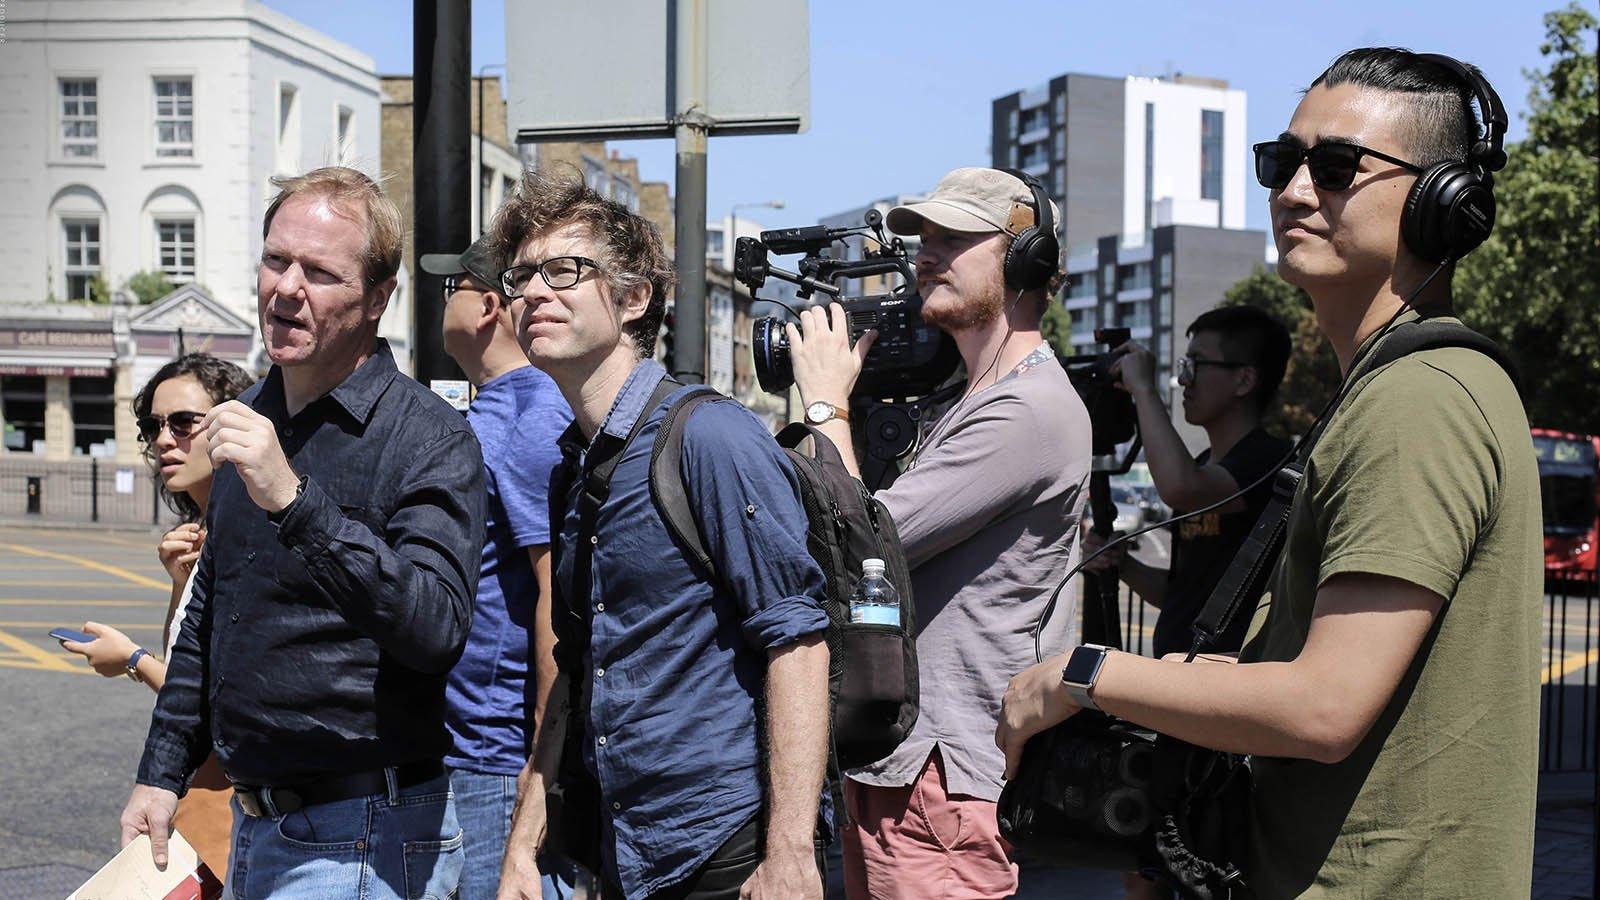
(631, 403)
(356, 395)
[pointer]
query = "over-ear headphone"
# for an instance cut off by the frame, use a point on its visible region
(1035, 253)
(1450, 209)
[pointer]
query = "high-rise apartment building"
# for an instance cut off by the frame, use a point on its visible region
(1127, 155)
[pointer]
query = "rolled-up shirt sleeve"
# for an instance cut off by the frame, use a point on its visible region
(748, 501)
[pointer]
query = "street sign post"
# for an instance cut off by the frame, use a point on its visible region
(686, 69)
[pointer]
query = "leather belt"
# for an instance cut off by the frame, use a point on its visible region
(262, 801)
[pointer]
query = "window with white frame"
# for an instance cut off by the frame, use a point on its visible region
(287, 158)
(174, 117)
(175, 249)
(346, 124)
(595, 176)
(622, 191)
(80, 118)
(80, 256)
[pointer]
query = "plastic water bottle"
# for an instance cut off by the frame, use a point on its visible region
(874, 600)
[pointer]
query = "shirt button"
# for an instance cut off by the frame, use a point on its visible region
(234, 617)
(615, 805)
(250, 557)
(602, 740)
(599, 607)
(599, 673)
(594, 540)
(288, 431)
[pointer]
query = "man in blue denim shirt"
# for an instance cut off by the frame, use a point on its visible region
(684, 681)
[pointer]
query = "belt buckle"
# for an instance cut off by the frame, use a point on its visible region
(249, 801)
(267, 802)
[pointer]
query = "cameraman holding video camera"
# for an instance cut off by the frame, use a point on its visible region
(1235, 360)
(987, 514)
(1389, 696)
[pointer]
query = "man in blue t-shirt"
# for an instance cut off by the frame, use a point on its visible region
(492, 696)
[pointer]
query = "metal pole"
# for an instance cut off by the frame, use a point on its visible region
(441, 165)
(94, 489)
(693, 126)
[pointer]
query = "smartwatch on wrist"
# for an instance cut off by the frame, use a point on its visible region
(1079, 675)
(133, 663)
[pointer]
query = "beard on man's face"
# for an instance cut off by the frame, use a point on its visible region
(971, 311)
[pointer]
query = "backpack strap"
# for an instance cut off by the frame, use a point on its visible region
(1434, 333)
(667, 487)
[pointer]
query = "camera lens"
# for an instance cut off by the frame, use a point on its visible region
(770, 346)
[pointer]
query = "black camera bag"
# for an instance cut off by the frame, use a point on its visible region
(1195, 804)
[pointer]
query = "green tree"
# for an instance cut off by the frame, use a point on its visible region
(1313, 372)
(1535, 284)
(1056, 326)
(149, 286)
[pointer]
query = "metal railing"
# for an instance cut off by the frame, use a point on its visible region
(1568, 717)
(78, 490)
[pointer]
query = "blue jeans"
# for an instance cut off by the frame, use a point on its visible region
(484, 804)
(403, 844)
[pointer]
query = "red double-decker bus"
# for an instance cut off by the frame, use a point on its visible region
(1569, 486)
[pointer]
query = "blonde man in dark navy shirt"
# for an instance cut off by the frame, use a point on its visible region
(682, 681)
(335, 589)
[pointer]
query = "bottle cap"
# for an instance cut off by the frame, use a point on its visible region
(872, 566)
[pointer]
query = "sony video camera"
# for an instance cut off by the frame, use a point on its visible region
(909, 358)
(1111, 411)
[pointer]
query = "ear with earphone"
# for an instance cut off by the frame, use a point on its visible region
(1450, 209)
(1035, 253)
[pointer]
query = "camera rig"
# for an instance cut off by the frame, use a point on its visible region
(909, 357)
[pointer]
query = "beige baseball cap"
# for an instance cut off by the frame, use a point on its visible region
(972, 199)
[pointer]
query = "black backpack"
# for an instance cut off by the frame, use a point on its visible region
(872, 673)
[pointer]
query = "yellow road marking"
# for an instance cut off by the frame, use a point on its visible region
(37, 654)
(1572, 662)
(134, 577)
(68, 601)
(39, 667)
(49, 625)
(50, 583)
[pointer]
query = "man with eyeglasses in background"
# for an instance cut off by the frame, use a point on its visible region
(1230, 374)
(494, 697)
(689, 721)
(1389, 696)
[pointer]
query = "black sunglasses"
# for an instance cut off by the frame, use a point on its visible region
(1333, 165)
(181, 423)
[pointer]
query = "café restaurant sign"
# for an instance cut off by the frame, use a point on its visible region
(49, 339)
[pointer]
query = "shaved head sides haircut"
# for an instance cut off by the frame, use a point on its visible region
(1442, 126)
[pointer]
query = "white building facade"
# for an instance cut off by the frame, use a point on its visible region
(140, 135)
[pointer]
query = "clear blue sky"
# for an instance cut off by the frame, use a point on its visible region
(900, 91)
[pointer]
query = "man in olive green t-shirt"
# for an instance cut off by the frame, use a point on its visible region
(1388, 694)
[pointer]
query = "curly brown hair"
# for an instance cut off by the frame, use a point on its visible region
(627, 245)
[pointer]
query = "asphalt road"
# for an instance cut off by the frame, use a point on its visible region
(72, 738)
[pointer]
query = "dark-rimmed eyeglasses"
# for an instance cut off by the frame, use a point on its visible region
(1188, 365)
(1333, 164)
(181, 423)
(559, 272)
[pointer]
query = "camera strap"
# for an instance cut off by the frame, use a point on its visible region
(1246, 577)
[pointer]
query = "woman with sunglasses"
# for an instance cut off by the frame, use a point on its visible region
(168, 412)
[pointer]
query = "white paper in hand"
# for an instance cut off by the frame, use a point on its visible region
(132, 875)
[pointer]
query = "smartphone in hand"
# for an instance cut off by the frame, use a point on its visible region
(69, 634)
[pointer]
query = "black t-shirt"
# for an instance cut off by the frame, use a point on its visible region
(1203, 546)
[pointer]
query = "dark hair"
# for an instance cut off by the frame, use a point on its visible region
(221, 380)
(1442, 126)
(627, 245)
(1250, 335)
